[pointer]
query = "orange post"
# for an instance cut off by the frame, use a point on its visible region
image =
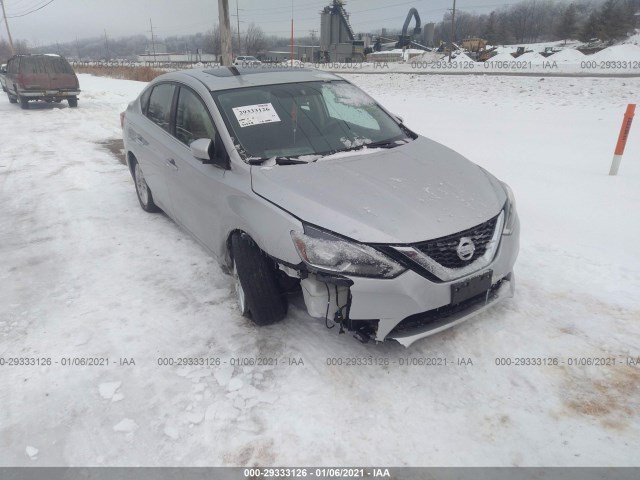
(622, 138)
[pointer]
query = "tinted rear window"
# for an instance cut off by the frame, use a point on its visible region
(45, 64)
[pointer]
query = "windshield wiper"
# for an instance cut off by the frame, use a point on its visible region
(384, 144)
(288, 161)
(380, 144)
(279, 161)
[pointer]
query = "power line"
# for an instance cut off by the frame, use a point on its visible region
(30, 12)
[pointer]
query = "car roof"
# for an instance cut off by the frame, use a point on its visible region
(225, 78)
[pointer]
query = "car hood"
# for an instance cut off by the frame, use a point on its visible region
(410, 193)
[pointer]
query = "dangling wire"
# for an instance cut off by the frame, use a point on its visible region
(326, 315)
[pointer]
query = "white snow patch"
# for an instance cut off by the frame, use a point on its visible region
(125, 425)
(108, 389)
(223, 374)
(32, 452)
(235, 384)
(171, 432)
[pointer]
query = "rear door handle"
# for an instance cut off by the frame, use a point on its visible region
(172, 163)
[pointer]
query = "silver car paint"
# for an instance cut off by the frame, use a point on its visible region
(232, 210)
(411, 193)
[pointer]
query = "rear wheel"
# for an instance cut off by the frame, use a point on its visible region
(256, 282)
(12, 99)
(144, 192)
(24, 103)
(73, 101)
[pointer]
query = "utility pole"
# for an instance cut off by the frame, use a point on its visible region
(453, 22)
(225, 31)
(313, 41)
(291, 33)
(153, 42)
(106, 45)
(6, 23)
(238, 18)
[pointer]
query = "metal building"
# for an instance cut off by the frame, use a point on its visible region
(337, 41)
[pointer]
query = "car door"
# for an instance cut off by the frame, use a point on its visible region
(153, 140)
(197, 190)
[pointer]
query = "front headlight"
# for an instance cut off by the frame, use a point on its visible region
(510, 210)
(333, 254)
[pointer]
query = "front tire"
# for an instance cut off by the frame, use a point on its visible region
(12, 99)
(257, 291)
(24, 103)
(144, 192)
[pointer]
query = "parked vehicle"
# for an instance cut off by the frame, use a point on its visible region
(3, 73)
(297, 176)
(45, 77)
(246, 61)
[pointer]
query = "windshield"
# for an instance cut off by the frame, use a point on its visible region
(305, 120)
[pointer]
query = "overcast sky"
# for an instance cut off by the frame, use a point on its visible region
(64, 20)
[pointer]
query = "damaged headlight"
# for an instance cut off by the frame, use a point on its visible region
(324, 251)
(509, 210)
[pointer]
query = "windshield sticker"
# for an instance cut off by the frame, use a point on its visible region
(255, 114)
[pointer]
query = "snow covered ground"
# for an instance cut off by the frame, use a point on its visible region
(617, 60)
(86, 273)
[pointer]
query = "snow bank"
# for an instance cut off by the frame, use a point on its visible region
(568, 55)
(506, 49)
(77, 251)
(427, 57)
(628, 52)
(502, 57)
(462, 58)
(534, 57)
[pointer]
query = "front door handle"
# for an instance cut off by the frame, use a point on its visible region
(172, 163)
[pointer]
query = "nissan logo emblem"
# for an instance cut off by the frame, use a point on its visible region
(465, 249)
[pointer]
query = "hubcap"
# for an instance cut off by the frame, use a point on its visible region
(143, 192)
(240, 298)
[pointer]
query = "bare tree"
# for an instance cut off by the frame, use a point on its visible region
(254, 39)
(212, 41)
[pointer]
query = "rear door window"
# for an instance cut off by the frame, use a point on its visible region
(29, 66)
(159, 109)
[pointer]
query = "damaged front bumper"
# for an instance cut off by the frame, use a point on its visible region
(410, 306)
(423, 325)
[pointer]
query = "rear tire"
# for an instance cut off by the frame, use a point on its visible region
(144, 192)
(12, 99)
(256, 276)
(24, 103)
(73, 101)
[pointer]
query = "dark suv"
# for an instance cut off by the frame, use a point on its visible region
(45, 77)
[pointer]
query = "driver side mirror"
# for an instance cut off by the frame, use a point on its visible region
(211, 152)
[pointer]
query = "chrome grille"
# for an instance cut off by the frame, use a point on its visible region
(443, 249)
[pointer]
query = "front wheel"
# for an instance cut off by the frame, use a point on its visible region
(144, 192)
(256, 282)
(24, 103)
(12, 99)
